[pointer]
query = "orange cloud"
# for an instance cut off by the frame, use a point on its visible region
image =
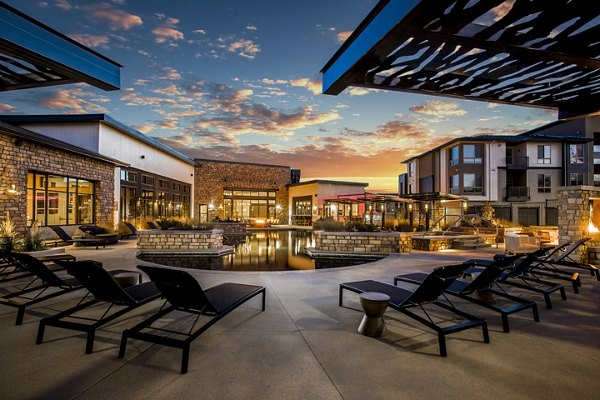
(116, 18)
(90, 40)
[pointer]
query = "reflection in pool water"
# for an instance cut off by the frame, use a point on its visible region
(260, 251)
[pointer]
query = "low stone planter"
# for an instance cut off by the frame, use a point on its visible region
(182, 241)
(369, 243)
(435, 243)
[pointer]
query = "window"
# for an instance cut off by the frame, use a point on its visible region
(411, 169)
(544, 183)
(147, 180)
(411, 188)
(543, 154)
(576, 153)
(472, 183)
(454, 160)
(453, 184)
(472, 153)
(59, 200)
(128, 176)
(576, 179)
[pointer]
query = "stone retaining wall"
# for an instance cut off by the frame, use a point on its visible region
(362, 242)
(231, 228)
(435, 243)
(179, 241)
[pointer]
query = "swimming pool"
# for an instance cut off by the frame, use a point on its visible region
(267, 250)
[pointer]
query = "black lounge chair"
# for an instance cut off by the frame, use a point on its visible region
(519, 275)
(480, 291)
(99, 233)
(131, 228)
(428, 292)
(184, 293)
(104, 289)
(39, 283)
(151, 225)
(561, 257)
(64, 236)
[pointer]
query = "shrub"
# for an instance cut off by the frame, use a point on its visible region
(173, 224)
(329, 225)
(8, 236)
(34, 240)
(359, 226)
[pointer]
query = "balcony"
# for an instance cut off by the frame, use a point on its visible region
(516, 162)
(517, 193)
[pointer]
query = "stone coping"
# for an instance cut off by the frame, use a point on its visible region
(314, 253)
(364, 233)
(177, 231)
(215, 252)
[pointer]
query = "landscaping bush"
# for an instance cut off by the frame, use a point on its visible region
(34, 240)
(360, 226)
(329, 225)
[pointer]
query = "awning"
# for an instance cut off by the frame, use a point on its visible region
(34, 55)
(522, 52)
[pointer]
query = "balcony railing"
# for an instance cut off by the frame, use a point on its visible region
(517, 193)
(516, 162)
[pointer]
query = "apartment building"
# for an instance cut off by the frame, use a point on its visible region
(519, 175)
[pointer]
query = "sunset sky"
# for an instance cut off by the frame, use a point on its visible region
(239, 80)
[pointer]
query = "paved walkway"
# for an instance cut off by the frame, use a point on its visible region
(306, 347)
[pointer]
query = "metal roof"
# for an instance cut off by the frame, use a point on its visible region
(95, 118)
(522, 52)
(20, 133)
(34, 55)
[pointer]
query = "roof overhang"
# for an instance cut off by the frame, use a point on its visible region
(34, 55)
(521, 52)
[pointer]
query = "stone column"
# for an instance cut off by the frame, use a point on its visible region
(574, 215)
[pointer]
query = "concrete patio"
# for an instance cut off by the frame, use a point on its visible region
(304, 346)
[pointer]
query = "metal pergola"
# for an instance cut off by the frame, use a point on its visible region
(536, 53)
(35, 55)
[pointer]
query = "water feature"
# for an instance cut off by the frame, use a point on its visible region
(269, 250)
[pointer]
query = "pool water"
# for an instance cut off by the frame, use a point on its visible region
(260, 251)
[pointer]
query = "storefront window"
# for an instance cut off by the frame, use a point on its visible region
(59, 200)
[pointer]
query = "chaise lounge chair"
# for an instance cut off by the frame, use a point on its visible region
(131, 228)
(64, 236)
(561, 257)
(184, 293)
(519, 275)
(104, 289)
(39, 283)
(427, 293)
(151, 225)
(481, 292)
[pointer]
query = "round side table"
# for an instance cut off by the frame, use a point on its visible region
(374, 305)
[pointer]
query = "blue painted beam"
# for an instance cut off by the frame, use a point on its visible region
(389, 16)
(27, 39)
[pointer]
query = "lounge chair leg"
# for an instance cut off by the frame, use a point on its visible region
(20, 315)
(442, 344)
(185, 359)
(486, 333)
(548, 301)
(340, 297)
(89, 346)
(563, 294)
(505, 326)
(264, 295)
(40, 334)
(536, 315)
(123, 344)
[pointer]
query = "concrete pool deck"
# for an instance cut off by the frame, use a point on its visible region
(304, 346)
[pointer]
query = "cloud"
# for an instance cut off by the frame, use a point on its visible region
(312, 86)
(133, 98)
(68, 99)
(164, 34)
(63, 5)
(7, 108)
(358, 91)
(170, 73)
(438, 109)
(116, 18)
(200, 31)
(170, 90)
(244, 48)
(251, 27)
(146, 128)
(342, 36)
(90, 40)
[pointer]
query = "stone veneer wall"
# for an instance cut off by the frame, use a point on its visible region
(179, 241)
(211, 177)
(231, 228)
(361, 242)
(18, 160)
(435, 243)
(574, 216)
